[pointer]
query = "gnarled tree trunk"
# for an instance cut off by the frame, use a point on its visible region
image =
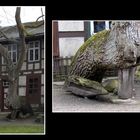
(12, 100)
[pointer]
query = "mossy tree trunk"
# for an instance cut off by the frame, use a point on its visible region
(114, 49)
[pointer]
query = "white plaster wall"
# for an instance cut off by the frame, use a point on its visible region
(5, 106)
(42, 100)
(42, 42)
(22, 80)
(4, 73)
(22, 91)
(70, 25)
(3, 68)
(37, 65)
(5, 90)
(37, 71)
(5, 95)
(42, 64)
(42, 90)
(42, 78)
(27, 72)
(30, 66)
(42, 53)
(69, 46)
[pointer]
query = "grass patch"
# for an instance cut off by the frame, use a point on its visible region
(21, 129)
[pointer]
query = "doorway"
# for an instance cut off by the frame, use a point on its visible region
(33, 90)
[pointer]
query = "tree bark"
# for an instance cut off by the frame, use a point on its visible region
(12, 98)
(126, 83)
(22, 42)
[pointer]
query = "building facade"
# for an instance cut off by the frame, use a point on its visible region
(31, 79)
(68, 36)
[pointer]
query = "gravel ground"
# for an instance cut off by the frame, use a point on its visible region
(63, 101)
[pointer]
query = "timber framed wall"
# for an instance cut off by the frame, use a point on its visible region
(28, 69)
(68, 36)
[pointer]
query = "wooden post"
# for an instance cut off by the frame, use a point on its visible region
(132, 78)
(126, 83)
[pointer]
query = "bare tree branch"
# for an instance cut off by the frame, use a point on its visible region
(42, 13)
(34, 26)
(3, 35)
(4, 52)
(8, 39)
(22, 41)
(39, 18)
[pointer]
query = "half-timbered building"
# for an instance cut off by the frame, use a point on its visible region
(69, 35)
(31, 79)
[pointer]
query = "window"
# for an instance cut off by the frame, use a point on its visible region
(34, 51)
(33, 85)
(110, 24)
(5, 83)
(12, 50)
(99, 26)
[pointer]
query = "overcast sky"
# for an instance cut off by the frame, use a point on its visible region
(28, 13)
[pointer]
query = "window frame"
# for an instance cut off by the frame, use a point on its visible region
(11, 52)
(92, 31)
(34, 87)
(33, 48)
(99, 24)
(5, 83)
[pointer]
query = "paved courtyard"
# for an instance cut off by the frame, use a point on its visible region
(63, 101)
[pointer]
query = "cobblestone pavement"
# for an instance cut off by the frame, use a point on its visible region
(63, 101)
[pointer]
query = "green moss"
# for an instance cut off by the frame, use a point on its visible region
(88, 83)
(94, 41)
(137, 73)
(111, 85)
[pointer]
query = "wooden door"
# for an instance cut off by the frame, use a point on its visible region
(33, 92)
